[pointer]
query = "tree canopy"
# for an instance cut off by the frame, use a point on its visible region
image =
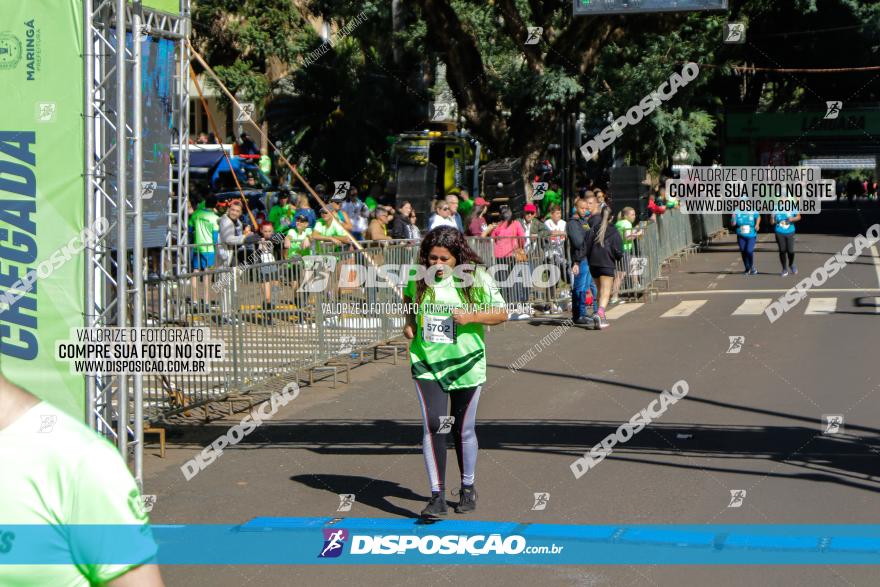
(334, 112)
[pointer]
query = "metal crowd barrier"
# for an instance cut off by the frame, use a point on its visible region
(275, 324)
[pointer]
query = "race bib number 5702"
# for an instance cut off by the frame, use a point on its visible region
(438, 329)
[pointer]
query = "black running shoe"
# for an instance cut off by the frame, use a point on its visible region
(468, 500)
(436, 507)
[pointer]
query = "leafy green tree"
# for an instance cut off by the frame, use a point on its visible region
(251, 45)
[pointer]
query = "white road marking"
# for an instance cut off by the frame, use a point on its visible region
(622, 310)
(712, 285)
(876, 258)
(766, 291)
(684, 309)
(821, 306)
(722, 276)
(752, 307)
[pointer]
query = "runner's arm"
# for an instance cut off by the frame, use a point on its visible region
(142, 576)
(488, 318)
(409, 328)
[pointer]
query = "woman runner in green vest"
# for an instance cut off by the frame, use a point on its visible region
(448, 355)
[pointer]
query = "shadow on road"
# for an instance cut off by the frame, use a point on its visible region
(371, 492)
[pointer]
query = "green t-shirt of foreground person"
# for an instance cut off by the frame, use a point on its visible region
(456, 360)
(58, 474)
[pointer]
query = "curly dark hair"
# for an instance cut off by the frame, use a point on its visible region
(451, 239)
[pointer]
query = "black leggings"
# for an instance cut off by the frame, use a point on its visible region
(786, 249)
(434, 404)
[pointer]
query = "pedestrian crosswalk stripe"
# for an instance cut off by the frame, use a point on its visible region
(818, 306)
(752, 307)
(684, 309)
(619, 311)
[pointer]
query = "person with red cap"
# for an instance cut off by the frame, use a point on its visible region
(535, 231)
(532, 226)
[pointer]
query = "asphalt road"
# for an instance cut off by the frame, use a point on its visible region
(751, 421)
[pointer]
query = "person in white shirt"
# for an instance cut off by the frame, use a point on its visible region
(555, 253)
(442, 216)
(452, 200)
(358, 213)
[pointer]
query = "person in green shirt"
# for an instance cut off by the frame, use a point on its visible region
(465, 204)
(297, 240)
(281, 213)
(204, 227)
(552, 197)
(628, 234)
(58, 479)
(451, 305)
(329, 230)
(298, 244)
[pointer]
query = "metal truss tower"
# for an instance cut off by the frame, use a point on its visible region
(114, 280)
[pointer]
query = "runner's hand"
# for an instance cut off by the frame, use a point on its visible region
(408, 332)
(461, 317)
(575, 269)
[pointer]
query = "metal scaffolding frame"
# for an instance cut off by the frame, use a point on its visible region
(114, 284)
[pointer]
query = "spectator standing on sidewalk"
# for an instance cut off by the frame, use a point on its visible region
(344, 219)
(510, 245)
(452, 201)
(204, 226)
(552, 197)
(465, 203)
(298, 243)
(378, 229)
(577, 230)
(303, 209)
(281, 214)
(657, 204)
(269, 248)
(358, 212)
(533, 228)
(233, 234)
(415, 233)
(534, 231)
(442, 216)
(400, 224)
(628, 234)
(476, 221)
(329, 231)
(555, 254)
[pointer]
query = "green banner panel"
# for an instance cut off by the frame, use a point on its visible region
(41, 194)
(169, 6)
